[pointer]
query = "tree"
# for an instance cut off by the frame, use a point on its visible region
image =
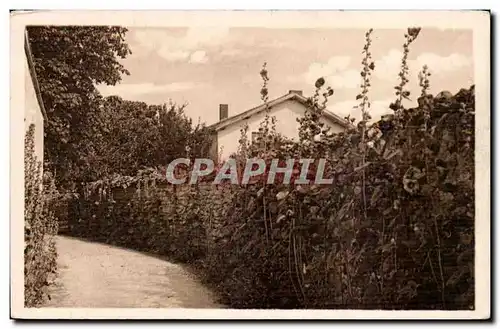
(136, 136)
(69, 61)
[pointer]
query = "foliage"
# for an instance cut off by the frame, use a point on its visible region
(414, 249)
(136, 136)
(69, 61)
(394, 231)
(89, 137)
(141, 212)
(40, 227)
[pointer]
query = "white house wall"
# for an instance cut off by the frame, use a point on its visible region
(286, 114)
(33, 113)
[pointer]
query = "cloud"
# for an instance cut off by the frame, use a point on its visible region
(135, 89)
(173, 56)
(199, 56)
(205, 36)
(334, 65)
(439, 64)
(343, 108)
(344, 80)
(336, 73)
(237, 54)
(376, 110)
(388, 67)
(231, 52)
(175, 47)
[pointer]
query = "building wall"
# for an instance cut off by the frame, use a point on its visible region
(286, 115)
(32, 112)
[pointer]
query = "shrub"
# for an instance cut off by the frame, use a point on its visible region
(394, 231)
(410, 246)
(40, 227)
(142, 212)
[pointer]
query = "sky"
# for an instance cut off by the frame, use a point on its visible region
(205, 67)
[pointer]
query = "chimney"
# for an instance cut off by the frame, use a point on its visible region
(223, 111)
(298, 92)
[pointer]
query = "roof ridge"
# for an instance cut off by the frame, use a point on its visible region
(256, 109)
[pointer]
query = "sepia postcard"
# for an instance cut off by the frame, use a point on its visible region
(250, 165)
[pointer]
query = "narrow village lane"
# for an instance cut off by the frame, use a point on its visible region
(95, 275)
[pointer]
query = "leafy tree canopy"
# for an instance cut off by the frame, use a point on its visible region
(88, 136)
(69, 61)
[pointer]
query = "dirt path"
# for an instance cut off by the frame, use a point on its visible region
(101, 276)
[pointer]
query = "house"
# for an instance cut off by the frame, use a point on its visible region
(286, 109)
(34, 111)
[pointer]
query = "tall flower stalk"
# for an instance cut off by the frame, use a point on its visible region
(368, 67)
(423, 78)
(264, 96)
(401, 92)
(265, 136)
(424, 83)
